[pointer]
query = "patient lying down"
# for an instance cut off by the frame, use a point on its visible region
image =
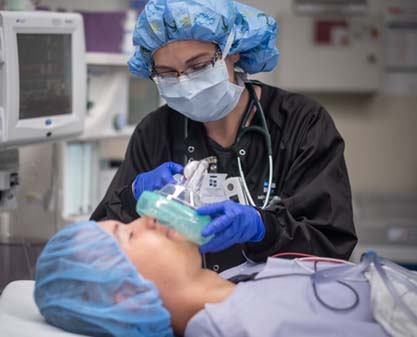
(143, 279)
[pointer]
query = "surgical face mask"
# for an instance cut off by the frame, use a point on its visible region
(205, 95)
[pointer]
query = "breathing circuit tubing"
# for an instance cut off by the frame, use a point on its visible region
(336, 274)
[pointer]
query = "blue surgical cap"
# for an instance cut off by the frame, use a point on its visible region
(85, 284)
(163, 21)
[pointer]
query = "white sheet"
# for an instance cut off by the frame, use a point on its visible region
(19, 316)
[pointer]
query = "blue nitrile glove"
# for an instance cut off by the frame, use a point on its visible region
(233, 223)
(156, 179)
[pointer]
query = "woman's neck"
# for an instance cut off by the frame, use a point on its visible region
(224, 131)
(186, 299)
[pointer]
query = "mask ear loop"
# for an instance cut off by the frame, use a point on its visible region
(241, 76)
(228, 45)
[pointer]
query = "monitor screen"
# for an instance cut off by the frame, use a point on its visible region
(45, 72)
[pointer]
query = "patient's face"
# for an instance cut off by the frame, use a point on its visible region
(159, 253)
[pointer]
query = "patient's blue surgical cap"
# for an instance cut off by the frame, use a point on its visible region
(85, 284)
(163, 21)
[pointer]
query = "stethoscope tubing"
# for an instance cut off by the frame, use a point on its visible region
(243, 130)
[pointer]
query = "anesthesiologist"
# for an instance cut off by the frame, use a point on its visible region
(283, 146)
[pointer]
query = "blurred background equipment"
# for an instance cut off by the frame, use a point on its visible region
(18, 5)
(401, 48)
(330, 46)
(387, 223)
(42, 99)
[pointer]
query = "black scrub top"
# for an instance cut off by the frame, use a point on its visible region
(313, 213)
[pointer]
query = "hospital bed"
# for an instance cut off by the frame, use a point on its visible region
(19, 316)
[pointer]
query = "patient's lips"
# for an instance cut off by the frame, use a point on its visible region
(170, 233)
(164, 229)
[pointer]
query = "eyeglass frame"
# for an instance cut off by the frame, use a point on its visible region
(214, 59)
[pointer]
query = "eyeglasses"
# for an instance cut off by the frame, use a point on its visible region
(173, 74)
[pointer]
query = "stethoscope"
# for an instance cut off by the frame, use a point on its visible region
(243, 131)
(264, 132)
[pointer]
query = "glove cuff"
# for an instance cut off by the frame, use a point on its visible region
(260, 232)
(136, 188)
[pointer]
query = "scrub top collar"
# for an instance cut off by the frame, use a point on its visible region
(196, 141)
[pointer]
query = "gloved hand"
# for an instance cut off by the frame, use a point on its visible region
(156, 179)
(233, 223)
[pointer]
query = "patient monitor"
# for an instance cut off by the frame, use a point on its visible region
(42, 86)
(42, 77)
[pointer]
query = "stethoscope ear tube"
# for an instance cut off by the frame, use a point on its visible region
(263, 131)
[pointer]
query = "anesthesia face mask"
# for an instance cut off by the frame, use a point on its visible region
(175, 204)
